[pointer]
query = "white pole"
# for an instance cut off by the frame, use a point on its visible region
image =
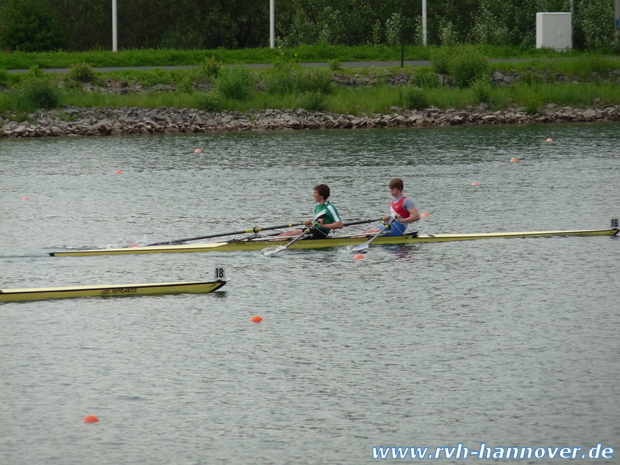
(114, 28)
(272, 24)
(424, 29)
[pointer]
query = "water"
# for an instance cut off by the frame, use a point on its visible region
(512, 343)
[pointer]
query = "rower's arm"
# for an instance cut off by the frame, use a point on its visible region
(414, 215)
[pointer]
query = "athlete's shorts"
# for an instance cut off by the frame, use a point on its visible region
(316, 233)
(395, 229)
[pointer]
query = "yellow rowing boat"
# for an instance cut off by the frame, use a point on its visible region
(261, 243)
(115, 290)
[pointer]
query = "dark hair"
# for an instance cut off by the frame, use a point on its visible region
(322, 190)
(396, 183)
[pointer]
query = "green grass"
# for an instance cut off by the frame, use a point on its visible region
(305, 53)
(290, 86)
(369, 100)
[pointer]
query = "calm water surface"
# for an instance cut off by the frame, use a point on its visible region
(505, 342)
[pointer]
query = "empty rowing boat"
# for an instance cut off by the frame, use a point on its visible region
(260, 243)
(115, 290)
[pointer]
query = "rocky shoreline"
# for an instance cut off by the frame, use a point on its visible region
(72, 121)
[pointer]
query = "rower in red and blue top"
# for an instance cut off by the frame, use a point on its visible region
(402, 211)
(326, 216)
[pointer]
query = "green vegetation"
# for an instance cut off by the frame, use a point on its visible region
(213, 87)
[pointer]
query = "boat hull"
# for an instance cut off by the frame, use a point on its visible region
(116, 290)
(244, 245)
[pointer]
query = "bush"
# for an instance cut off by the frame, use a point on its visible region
(82, 72)
(441, 59)
(425, 77)
(529, 99)
(211, 68)
(465, 64)
(37, 93)
(299, 80)
(237, 83)
(414, 98)
(311, 101)
(531, 78)
(211, 102)
(468, 66)
(482, 90)
(335, 65)
(315, 80)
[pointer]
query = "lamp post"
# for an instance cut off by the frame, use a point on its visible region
(424, 28)
(272, 24)
(114, 27)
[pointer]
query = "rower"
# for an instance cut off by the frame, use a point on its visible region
(326, 217)
(402, 212)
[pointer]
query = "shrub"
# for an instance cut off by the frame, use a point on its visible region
(311, 101)
(82, 72)
(335, 65)
(425, 77)
(441, 59)
(211, 102)
(315, 80)
(299, 80)
(237, 83)
(531, 78)
(414, 98)
(530, 100)
(39, 93)
(211, 68)
(468, 66)
(482, 90)
(465, 64)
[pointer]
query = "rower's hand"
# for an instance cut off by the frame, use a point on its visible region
(307, 223)
(320, 221)
(385, 219)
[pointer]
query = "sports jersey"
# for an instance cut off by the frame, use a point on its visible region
(331, 215)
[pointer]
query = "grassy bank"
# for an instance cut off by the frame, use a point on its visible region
(589, 81)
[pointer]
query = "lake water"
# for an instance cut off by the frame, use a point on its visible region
(508, 342)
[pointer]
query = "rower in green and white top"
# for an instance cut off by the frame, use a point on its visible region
(326, 216)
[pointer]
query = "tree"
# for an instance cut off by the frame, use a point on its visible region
(27, 26)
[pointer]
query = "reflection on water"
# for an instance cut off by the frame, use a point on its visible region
(507, 342)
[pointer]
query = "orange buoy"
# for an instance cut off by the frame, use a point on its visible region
(514, 160)
(90, 419)
(118, 171)
(475, 183)
(358, 256)
(197, 151)
(256, 319)
(550, 140)
(26, 198)
(425, 215)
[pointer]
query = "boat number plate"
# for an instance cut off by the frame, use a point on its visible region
(219, 273)
(615, 223)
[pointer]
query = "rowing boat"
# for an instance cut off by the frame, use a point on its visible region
(261, 243)
(115, 290)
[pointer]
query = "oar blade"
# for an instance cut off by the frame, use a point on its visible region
(360, 248)
(270, 252)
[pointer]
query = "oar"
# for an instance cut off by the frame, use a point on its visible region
(282, 247)
(361, 247)
(254, 230)
(304, 233)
